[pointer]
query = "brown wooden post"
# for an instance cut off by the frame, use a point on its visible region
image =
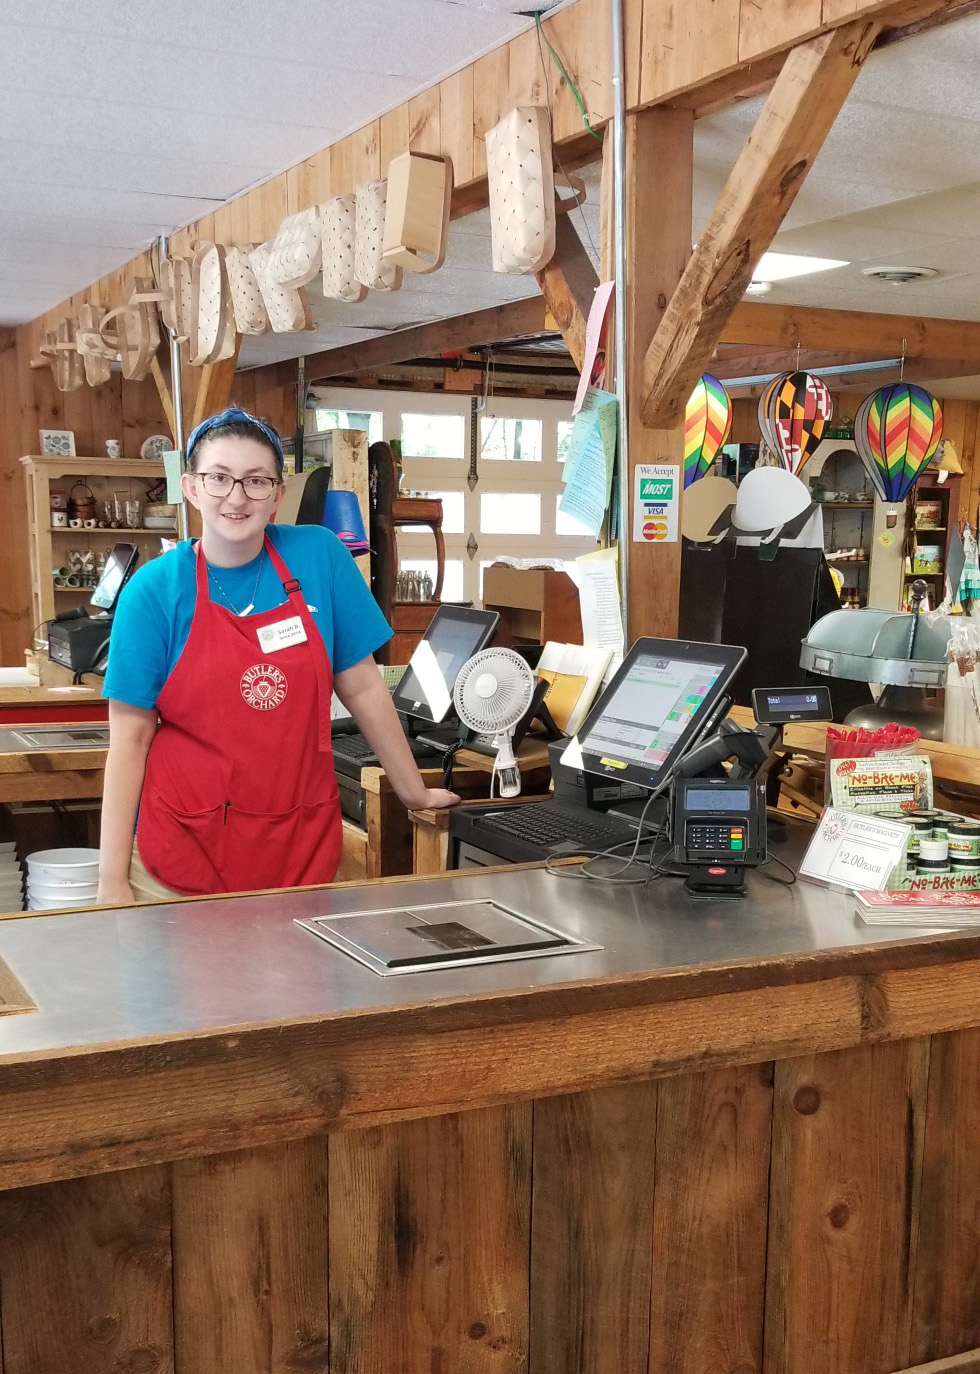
(659, 182)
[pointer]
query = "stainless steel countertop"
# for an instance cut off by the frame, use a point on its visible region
(155, 973)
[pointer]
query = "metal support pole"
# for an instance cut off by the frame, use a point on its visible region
(177, 397)
(619, 258)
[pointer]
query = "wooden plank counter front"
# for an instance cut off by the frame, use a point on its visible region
(740, 1137)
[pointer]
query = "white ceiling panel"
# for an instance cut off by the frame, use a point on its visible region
(69, 122)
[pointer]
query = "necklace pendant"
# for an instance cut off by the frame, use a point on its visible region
(248, 609)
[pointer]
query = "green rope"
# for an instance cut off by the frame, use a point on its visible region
(568, 80)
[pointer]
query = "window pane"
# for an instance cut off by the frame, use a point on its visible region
(564, 434)
(452, 586)
(371, 420)
(452, 513)
(569, 524)
(433, 436)
(510, 512)
(511, 440)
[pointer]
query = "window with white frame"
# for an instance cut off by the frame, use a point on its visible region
(513, 508)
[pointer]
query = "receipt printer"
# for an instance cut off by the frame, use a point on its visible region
(80, 644)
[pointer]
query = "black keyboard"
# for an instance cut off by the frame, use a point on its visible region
(356, 749)
(545, 826)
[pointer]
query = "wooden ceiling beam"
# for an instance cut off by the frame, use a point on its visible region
(763, 325)
(480, 327)
(789, 133)
(568, 284)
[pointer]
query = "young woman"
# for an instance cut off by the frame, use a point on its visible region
(223, 658)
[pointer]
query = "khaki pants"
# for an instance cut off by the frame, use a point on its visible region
(145, 886)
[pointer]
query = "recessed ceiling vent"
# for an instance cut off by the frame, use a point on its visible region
(899, 276)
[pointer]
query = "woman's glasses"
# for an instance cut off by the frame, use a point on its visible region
(222, 484)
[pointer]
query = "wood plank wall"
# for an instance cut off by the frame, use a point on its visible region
(814, 1214)
(29, 401)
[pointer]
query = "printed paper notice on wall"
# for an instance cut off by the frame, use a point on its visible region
(172, 467)
(656, 503)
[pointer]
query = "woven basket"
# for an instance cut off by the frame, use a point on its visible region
(212, 318)
(521, 186)
(337, 219)
(294, 255)
(287, 306)
(95, 356)
(136, 333)
(177, 305)
(370, 267)
(251, 316)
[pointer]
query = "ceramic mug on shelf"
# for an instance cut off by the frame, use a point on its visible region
(91, 524)
(75, 523)
(113, 448)
(59, 519)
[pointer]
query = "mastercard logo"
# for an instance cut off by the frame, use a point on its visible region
(654, 530)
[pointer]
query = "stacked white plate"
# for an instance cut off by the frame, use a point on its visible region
(62, 877)
(11, 878)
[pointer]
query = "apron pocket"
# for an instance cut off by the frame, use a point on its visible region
(226, 849)
(184, 850)
(295, 848)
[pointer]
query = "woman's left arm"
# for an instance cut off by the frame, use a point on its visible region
(362, 690)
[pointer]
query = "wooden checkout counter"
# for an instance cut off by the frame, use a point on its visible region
(740, 1136)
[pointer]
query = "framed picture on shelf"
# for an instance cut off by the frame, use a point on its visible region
(57, 443)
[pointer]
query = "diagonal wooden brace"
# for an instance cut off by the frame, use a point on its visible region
(568, 284)
(789, 133)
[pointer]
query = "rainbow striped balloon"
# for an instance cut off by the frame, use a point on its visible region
(707, 424)
(896, 432)
(794, 411)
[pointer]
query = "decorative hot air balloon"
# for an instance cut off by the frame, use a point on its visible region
(707, 424)
(794, 411)
(896, 432)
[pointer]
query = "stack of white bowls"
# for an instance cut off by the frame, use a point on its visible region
(11, 878)
(62, 877)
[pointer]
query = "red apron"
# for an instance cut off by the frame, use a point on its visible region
(239, 792)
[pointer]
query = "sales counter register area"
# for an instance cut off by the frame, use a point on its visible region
(223, 658)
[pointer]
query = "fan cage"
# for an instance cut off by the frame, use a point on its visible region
(515, 690)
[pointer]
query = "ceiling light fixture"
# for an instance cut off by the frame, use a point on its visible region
(899, 276)
(779, 266)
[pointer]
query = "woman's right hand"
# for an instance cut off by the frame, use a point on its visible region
(115, 892)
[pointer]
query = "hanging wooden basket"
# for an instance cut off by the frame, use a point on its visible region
(133, 331)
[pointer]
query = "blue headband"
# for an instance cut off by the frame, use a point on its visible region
(234, 415)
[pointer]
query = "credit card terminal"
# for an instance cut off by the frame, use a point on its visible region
(718, 828)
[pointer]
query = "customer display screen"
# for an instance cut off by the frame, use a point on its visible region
(655, 708)
(783, 705)
(455, 634)
(118, 566)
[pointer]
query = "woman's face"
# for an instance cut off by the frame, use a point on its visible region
(241, 513)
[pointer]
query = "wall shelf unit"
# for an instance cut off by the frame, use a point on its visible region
(50, 544)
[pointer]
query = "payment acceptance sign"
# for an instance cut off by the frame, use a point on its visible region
(656, 502)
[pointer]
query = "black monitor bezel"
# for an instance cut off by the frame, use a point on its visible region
(728, 657)
(772, 717)
(485, 621)
(129, 562)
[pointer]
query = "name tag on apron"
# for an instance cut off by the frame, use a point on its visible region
(281, 634)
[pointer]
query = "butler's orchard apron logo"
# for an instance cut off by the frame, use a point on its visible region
(263, 686)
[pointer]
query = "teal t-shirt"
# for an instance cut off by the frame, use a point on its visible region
(155, 609)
